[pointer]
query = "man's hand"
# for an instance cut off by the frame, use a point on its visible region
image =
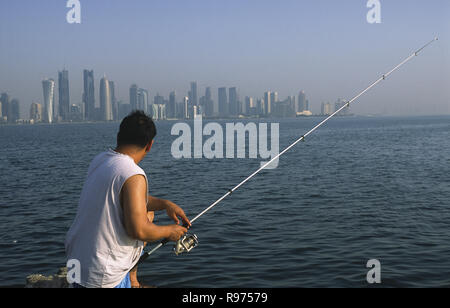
(175, 212)
(176, 232)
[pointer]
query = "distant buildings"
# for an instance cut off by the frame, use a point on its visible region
(89, 95)
(64, 95)
(172, 106)
(48, 86)
(249, 107)
(301, 103)
(158, 99)
(302, 107)
(114, 107)
(326, 109)
(207, 103)
(105, 100)
(9, 109)
(267, 103)
(193, 97)
(14, 111)
(4, 101)
(76, 113)
(134, 97)
(274, 97)
(233, 102)
(158, 112)
(223, 102)
(36, 113)
(138, 98)
(142, 100)
(123, 110)
(284, 109)
(227, 105)
(339, 104)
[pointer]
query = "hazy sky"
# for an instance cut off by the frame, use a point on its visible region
(326, 48)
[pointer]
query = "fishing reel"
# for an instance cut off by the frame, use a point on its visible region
(185, 244)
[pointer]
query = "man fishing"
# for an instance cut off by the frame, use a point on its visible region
(115, 213)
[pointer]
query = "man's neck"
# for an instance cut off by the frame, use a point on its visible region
(132, 151)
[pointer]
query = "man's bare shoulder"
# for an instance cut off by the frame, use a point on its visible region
(135, 183)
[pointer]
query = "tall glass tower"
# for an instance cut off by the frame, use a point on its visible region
(48, 86)
(172, 107)
(64, 96)
(4, 99)
(267, 103)
(301, 102)
(193, 100)
(233, 104)
(134, 97)
(142, 95)
(223, 102)
(89, 95)
(105, 100)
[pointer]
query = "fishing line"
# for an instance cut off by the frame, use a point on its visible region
(188, 242)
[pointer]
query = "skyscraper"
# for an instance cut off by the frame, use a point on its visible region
(89, 95)
(301, 103)
(142, 100)
(233, 103)
(158, 99)
(4, 98)
(134, 97)
(36, 112)
(114, 107)
(185, 104)
(292, 101)
(249, 106)
(339, 104)
(274, 97)
(48, 86)
(209, 103)
(223, 102)
(105, 100)
(193, 99)
(123, 109)
(76, 113)
(267, 103)
(14, 111)
(326, 109)
(64, 96)
(172, 106)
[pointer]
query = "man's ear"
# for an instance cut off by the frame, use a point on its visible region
(149, 146)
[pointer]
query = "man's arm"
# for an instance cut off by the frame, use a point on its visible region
(137, 225)
(173, 210)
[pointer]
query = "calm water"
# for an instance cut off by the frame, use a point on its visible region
(358, 189)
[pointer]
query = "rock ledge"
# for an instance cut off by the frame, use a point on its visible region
(53, 281)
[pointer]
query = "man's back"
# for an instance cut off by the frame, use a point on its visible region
(97, 238)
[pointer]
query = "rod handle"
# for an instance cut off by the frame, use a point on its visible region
(163, 242)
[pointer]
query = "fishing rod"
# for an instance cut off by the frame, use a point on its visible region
(189, 241)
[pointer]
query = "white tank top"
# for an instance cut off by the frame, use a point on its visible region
(97, 238)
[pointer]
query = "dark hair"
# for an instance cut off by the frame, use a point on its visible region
(136, 129)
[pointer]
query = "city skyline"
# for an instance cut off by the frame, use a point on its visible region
(108, 109)
(324, 47)
(229, 103)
